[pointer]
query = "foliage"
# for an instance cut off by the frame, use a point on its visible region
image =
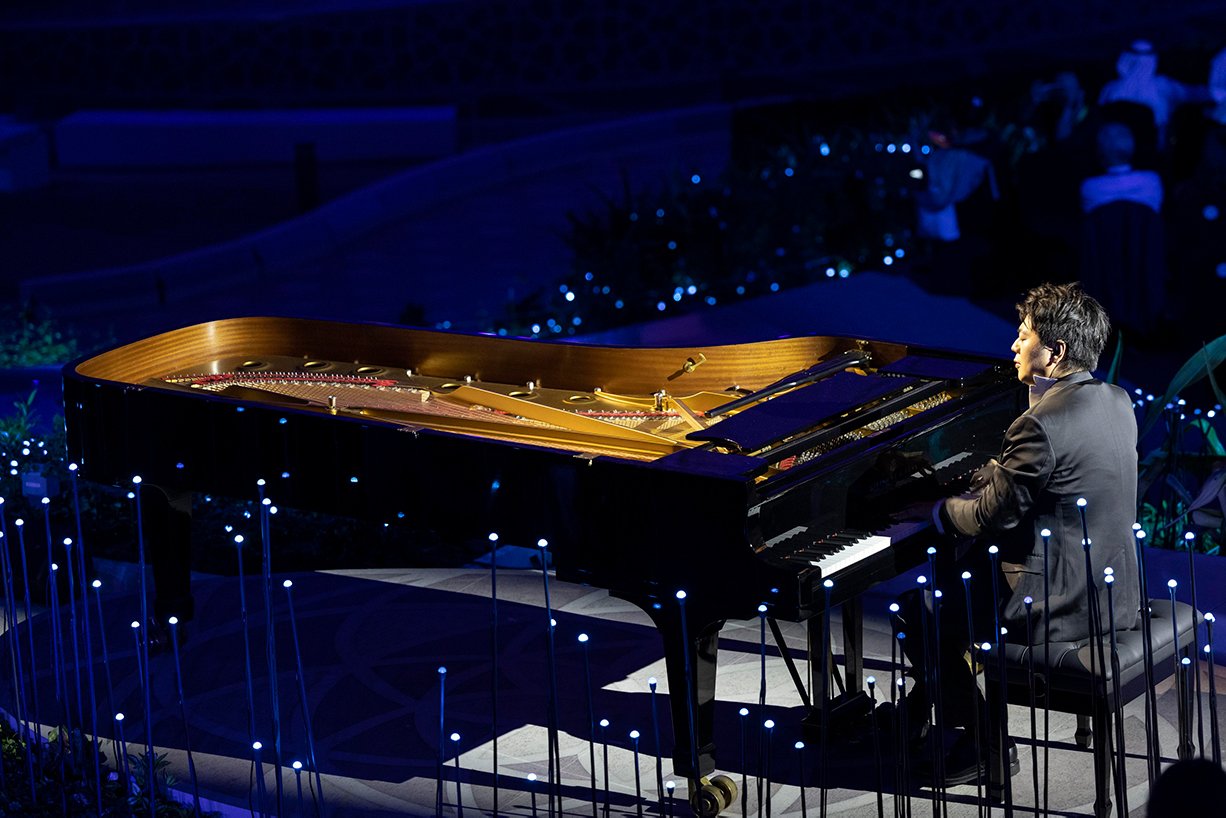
(28, 337)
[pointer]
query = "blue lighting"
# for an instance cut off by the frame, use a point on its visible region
(691, 289)
(282, 421)
(906, 147)
(672, 245)
(660, 213)
(284, 475)
(178, 465)
(588, 276)
(660, 306)
(824, 149)
(695, 178)
(844, 273)
(495, 486)
(925, 150)
(676, 296)
(634, 217)
(240, 409)
(576, 320)
(740, 290)
(888, 261)
(774, 286)
(890, 148)
(789, 172)
(570, 296)
(711, 300)
(900, 252)
(353, 479)
(1210, 213)
(618, 304)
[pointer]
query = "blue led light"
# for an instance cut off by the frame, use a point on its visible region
(282, 421)
(789, 172)
(353, 479)
(672, 245)
(570, 296)
(660, 306)
(660, 213)
(588, 276)
(695, 178)
(824, 149)
(740, 290)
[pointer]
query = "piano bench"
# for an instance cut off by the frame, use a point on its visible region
(1065, 684)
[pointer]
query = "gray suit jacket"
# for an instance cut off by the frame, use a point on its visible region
(1078, 440)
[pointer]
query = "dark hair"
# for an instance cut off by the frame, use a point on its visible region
(1064, 312)
(1196, 786)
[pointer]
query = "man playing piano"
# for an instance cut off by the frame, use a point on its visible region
(1076, 440)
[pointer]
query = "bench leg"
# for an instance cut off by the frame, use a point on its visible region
(1084, 735)
(1102, 763)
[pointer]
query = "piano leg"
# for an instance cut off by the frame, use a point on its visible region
(166, 517)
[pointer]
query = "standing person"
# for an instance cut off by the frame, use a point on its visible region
(1077, 439)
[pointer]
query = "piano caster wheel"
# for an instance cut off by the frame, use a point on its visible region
(714, 796)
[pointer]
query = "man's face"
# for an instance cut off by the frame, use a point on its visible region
(1029, 355)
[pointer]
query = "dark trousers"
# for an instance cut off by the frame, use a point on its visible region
(938, 640)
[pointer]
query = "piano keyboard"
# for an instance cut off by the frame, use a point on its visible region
(831, 553)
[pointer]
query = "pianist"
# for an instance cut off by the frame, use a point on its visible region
(1077, 439)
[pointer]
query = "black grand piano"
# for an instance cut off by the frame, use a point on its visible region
(742, 475)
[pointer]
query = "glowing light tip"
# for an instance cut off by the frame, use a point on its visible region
(744, 711)
(289, 583)
(993, 549)
(652, 681)
(46, 500)
(1028, 600)
(297, 765)
(68, 541)
(1210, 618)
(1109, 579)
(1141, 534)
(583, 637)
(455, 736)
(531, 776)
(1081, 502)
(986, 646)
(542, 543)
(931, 550)
(1108, 570)
(1045, 532)
(1189, 536)
(604, 722)
(256, 745)
(921, 580)
(871, 680)
(828, 583)
(634, 734)
(966, 574)
(442, 671)
(238, 539)
(96, 583)
(71, 467)
(670, 785)
(769, 724)
(800, 745)
(136, 479)
(55, 567)
(174, 620)
(1185, 661)
(119, 717)
(761, 609)
(135, 624)
(681, 595)
(260, 482)
(1170, 583)
(493, 537)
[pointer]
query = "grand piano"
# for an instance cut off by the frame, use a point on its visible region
(742, 475)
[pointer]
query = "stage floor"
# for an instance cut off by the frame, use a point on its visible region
(372, 643)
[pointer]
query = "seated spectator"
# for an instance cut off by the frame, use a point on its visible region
(1196, 786)
(1139, 83)
(1121, 182)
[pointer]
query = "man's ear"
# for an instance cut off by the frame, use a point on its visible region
(1058, 352)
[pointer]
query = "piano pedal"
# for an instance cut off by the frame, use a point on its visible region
(849, 717)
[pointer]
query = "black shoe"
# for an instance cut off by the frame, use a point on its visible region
(962, 763)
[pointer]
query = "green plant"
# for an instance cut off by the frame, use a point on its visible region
(29, 337)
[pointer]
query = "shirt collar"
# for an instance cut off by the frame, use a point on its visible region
(1039, 388)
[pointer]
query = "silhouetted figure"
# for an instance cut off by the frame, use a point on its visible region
(1139, 88)
(1120, 181)
(1196, 787)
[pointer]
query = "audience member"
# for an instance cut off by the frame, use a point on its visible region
(1196, 786)
(1140, 83)
(1121, 182)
